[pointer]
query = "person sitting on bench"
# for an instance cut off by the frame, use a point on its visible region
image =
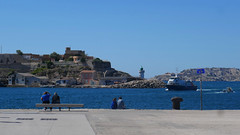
(46, 99)
(56, 100)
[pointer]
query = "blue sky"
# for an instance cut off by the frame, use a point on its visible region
(158, 35)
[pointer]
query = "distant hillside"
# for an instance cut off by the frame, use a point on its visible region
(11, 63)
(211, 74)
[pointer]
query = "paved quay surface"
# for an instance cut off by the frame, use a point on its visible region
(119, 122)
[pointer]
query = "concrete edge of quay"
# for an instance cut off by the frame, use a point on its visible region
(118, 122)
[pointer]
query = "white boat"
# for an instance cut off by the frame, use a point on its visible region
(175, 83)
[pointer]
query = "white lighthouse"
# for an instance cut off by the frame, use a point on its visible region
(141, 73)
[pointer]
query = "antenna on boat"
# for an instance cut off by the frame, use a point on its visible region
(176, 72)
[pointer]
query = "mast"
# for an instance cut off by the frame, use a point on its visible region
(176, 72)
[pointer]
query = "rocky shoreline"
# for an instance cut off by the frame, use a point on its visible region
(140, 84)
(133, 84)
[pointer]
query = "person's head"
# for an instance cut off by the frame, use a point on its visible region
(55, 93)
(120, 98)
(114, 99)
(45, 93)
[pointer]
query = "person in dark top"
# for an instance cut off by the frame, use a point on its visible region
(45, 99)
(56, 99)
(114, 104)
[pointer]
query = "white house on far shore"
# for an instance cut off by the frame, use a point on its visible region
(26, 79)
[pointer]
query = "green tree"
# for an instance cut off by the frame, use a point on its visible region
(97, 60)
(69, 58)
(83, 60)
(50, 65)
(55, 56)
(19, 52)
(12, 71)
(40, 71)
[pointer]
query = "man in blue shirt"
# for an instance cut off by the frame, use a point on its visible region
(45, 99)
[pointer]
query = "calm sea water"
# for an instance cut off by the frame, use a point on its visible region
(213, 98)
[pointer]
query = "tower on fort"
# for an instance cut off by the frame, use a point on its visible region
(69, 52)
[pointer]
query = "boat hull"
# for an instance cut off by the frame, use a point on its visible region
(179, 87)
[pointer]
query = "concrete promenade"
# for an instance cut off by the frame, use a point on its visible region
(119, 122)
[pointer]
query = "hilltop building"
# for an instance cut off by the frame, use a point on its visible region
(76, 59)
(101, 65)
(46, 57)
(11, 59)
(32, 57)
(69, 52)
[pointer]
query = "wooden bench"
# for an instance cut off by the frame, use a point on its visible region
(60, 105)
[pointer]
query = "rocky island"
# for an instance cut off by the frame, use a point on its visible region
(211, 74)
